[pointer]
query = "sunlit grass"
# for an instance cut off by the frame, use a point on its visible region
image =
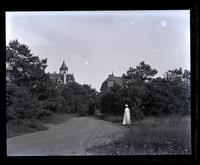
(152, 136)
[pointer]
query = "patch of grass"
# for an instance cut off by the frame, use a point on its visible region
(19, 127)
(152, 136)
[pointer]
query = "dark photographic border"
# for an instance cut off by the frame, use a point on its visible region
(78, 5)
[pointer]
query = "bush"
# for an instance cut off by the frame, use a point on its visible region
(77, 98)
(112, 102)
(83, 110)
(50, 106)
(136, 114)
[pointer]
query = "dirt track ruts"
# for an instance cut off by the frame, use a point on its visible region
(70, 138)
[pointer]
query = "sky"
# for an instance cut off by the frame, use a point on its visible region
(94, 44)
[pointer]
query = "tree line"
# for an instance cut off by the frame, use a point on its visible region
(31, 94)
(147, 95)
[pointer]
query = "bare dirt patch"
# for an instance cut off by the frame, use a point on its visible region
(72, 137)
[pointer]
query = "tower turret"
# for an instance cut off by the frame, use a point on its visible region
(63, 68)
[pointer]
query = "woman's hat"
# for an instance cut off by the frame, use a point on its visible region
(126, 105)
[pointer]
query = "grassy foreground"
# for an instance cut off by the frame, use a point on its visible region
(20, 127)
(152, 136)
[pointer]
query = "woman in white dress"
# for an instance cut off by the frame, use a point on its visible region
(127, 118)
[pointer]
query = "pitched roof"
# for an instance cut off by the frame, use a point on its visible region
(70, 77)
(116, 79)
(56, 76)
(64, 66)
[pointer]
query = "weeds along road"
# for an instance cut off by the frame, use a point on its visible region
(70, 138)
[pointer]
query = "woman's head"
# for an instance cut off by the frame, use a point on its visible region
(126, 105)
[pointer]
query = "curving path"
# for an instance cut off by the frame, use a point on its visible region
(70, 138)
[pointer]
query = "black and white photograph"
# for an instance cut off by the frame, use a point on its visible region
(96, 83)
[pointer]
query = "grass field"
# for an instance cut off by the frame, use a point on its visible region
(151, 136)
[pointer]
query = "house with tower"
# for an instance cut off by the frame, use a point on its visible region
(63, 77)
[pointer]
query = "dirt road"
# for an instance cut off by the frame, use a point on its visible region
(70, 138)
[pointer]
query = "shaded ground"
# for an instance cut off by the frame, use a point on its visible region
(72, 137)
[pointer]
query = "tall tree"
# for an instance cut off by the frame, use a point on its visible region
(22, 66)
(25, 74)
(141, 74)
(135, 83)
(174, 75)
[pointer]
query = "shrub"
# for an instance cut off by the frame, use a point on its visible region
(136, 113)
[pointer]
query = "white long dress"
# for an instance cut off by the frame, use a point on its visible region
(127, 118)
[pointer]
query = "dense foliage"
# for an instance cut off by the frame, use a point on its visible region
(78, 98)
(30, 93)
(147, 95)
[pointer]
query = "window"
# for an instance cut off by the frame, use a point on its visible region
(110, 83)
